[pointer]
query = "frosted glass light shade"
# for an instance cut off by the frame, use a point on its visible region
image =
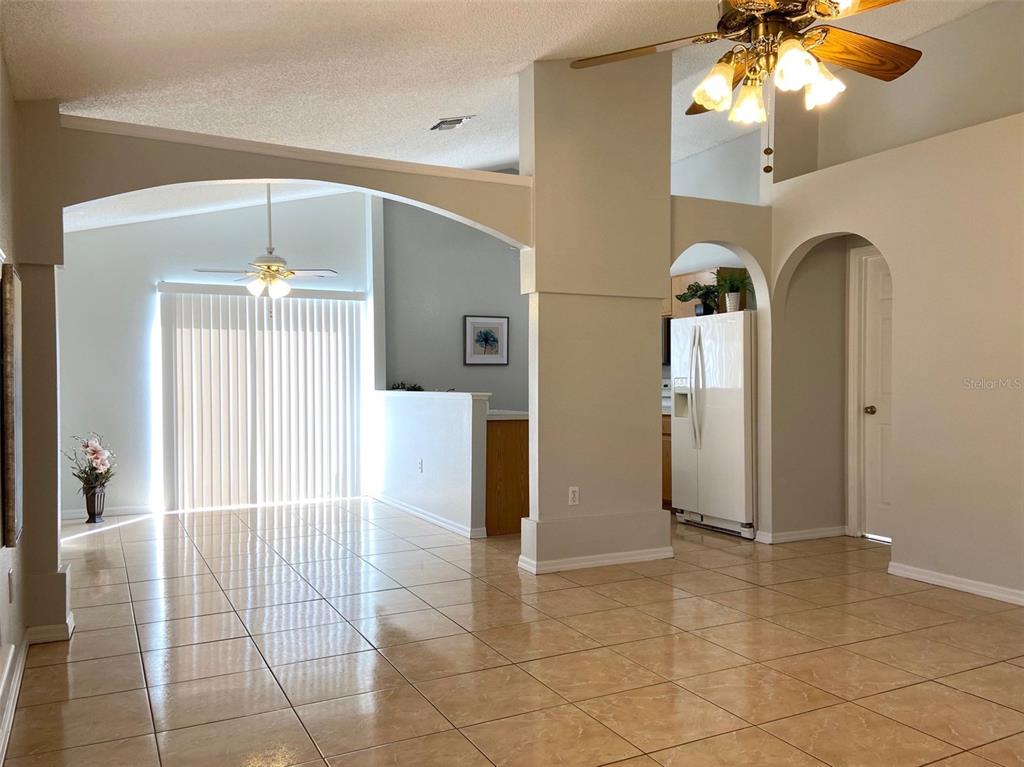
(255, 287)
(822, 89)
(749, 107)
(279, 289)
(715, 90)
(796, 67)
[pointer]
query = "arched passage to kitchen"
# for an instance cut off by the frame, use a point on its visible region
(716, 467)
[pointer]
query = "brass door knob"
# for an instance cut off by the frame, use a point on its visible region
(871, 410)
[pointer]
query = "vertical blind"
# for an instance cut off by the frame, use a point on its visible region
(264, 399)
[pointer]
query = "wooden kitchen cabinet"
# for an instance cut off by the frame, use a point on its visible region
(666, 462)
(508, 475)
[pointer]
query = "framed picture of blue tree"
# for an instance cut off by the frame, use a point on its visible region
(485, 340)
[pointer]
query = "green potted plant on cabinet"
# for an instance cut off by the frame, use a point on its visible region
(733, 284)
(707, 295)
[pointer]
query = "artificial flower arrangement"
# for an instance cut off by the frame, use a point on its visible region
(93, 465)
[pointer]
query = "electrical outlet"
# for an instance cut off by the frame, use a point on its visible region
(420, 465)
(574, 496)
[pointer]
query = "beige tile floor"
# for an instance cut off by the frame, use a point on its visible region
(353, 635)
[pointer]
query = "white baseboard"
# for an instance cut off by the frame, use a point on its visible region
(594, 560)
(800, 535)
(981, 588)
(429, 516)
(56, 632)
(10, 683)
(110, 511)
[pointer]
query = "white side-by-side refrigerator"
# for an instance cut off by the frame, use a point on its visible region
(713, 420)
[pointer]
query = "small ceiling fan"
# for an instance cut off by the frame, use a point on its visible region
(775, 38)
(270, 272)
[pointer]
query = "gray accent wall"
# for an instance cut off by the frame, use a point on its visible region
(436, 271)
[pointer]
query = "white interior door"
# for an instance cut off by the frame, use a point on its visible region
(877, 400)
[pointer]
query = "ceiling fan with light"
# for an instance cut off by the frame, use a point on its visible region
(270, 272)
(775, 39)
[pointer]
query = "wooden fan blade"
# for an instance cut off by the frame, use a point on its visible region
(314, 272)
(644, 50)
(860, 6)
(739, 72)
(867, 55)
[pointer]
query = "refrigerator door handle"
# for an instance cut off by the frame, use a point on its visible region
(690, 395)
(696, 382)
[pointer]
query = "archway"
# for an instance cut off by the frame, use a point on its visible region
(102, 159)
(832, 362)
(364, 216)
(696, 261)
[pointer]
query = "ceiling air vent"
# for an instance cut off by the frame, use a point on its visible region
(450, 123)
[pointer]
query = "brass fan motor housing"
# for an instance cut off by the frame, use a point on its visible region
(738, 16)
(754, 7)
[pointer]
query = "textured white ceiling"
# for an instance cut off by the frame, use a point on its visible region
(359, 77)
(186, 200)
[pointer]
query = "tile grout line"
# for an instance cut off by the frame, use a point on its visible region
(142, 663)
(375, 649)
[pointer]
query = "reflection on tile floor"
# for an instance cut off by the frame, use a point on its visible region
(352, 634)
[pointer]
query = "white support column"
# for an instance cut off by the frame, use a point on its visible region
(597, 143)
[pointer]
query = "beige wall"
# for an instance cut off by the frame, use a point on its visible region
(948, 216)
(809, 410)
(972, 72)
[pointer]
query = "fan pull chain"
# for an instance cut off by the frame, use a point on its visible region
(768, 151)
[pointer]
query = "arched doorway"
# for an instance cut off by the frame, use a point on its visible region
(313, 227)
(833, 410)
(699, 263)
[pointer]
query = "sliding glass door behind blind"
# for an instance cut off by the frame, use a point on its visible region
(262, 398)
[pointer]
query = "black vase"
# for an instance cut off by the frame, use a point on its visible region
(94, 500)
(702, 309)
